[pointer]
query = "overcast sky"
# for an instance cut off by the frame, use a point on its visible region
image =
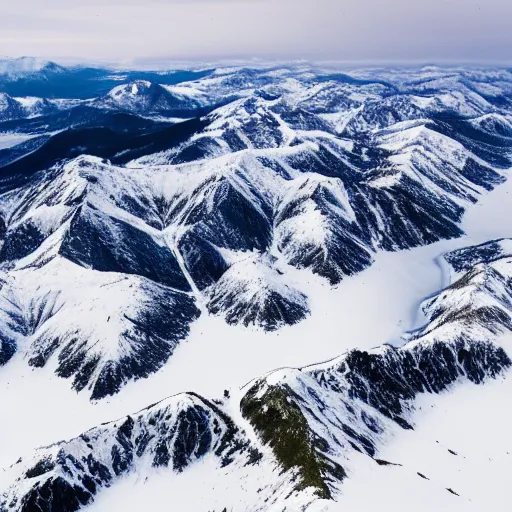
(342, 30)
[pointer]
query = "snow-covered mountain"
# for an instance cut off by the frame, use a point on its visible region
(122, 227)
(310, 422)
(144, 97)
(26, 66)
(21, 108)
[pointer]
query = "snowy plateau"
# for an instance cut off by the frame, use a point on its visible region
(282, 288)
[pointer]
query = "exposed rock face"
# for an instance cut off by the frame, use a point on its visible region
(173, 433)
(121, 224)
(308, 422)
(318, 176)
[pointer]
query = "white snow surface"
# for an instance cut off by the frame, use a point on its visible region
(373, 307)
(9, 140)
(376, 306)
(473, 422)
(233, 490)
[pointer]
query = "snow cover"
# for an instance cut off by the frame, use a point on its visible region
(21, 66)
(432, 462)
(388, 293)
(228, 489)
(461, 442)
(375, 306)
(9, 140)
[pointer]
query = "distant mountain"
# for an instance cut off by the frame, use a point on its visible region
(23, 67)
(33, 77)
(24, 108)
(146, 98)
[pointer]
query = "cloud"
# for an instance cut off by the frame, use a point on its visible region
(373, 30)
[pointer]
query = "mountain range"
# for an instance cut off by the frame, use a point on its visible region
(139, 204)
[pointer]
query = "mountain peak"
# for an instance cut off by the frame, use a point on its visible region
(158, 238)
(23, 66)
(137, 87)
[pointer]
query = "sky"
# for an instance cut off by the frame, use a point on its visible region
(454, 31)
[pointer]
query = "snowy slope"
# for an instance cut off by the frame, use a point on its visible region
(261, 180)
(172, 433)
(22, 108)
(143, 97)
(313, 422)
(345, 405)
(228, 232)
(253, 291)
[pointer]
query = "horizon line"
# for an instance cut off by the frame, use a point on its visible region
(162, 63)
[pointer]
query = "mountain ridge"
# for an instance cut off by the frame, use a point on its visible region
(122, 226)
(376, 390)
